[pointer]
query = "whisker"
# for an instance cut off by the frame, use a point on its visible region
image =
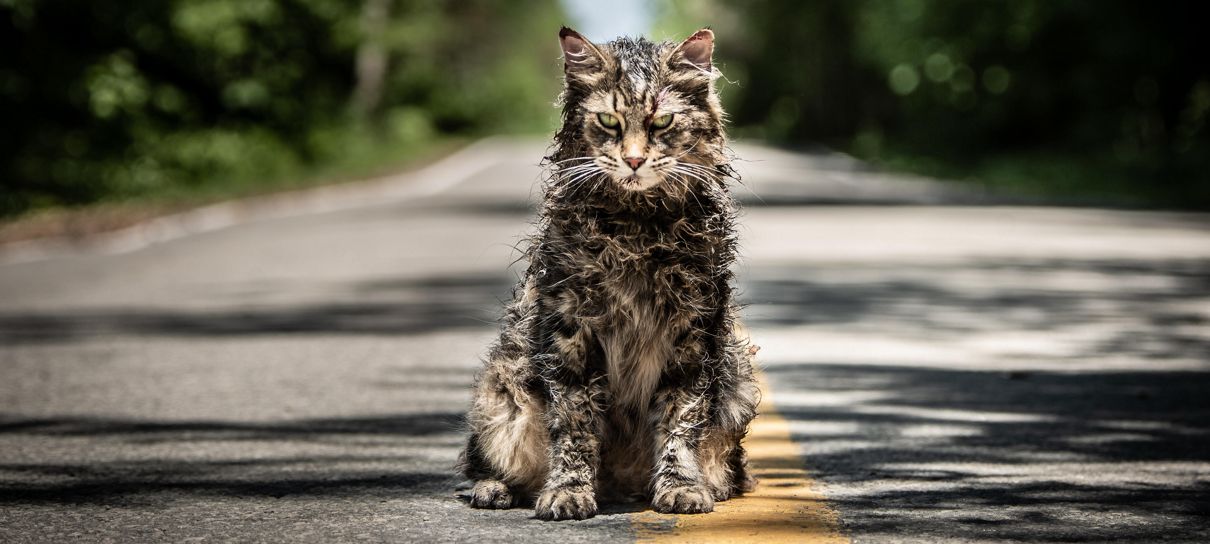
(694, 175)
(584, 158)
(569, 171)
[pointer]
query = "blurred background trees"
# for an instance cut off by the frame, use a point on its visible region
(1090, 101)
(113, 100)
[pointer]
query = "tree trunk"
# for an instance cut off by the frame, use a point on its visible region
(372, 59)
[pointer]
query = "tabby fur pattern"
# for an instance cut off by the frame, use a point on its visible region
(620, 371)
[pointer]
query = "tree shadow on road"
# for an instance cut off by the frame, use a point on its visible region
(366, 457)
(1148, 309)
(408, 306)
(151, 461)
(1082, 414)
(1038, 456)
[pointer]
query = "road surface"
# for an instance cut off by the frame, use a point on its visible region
(946, 371)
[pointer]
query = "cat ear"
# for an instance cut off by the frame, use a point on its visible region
(696, 50)
(579, 54)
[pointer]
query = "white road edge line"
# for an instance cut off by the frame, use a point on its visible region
(441, 176)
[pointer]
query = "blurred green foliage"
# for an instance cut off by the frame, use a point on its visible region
(1101, 101)
(180, 98)
(1104, 101)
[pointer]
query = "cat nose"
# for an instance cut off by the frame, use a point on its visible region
(635, 162)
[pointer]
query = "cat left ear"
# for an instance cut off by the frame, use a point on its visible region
(696, 50)
(579, 54)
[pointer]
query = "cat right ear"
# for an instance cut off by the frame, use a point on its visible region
(580, 56)
(695, 51)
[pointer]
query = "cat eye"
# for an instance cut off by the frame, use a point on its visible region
(608, 121)
(662, 121)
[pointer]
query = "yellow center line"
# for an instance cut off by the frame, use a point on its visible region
(787, 505)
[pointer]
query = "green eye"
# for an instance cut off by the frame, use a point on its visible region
(608, 121)
(662, 121)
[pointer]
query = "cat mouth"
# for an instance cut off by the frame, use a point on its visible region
(634, 182)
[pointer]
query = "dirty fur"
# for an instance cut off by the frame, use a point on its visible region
(619, 372)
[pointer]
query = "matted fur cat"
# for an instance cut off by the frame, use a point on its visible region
(619, 372)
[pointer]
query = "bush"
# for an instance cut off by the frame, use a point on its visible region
(156, 98)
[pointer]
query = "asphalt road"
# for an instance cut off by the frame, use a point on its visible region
(298, 372)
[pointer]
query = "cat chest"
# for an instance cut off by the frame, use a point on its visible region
(636, 298)
(637, 342)
(635, 282)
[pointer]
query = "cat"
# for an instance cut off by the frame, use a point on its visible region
(619, 371)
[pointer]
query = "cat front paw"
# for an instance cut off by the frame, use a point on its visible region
(690, 499)
(566, 503)
(491, 494)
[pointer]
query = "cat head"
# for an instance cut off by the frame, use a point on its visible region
(639, 115)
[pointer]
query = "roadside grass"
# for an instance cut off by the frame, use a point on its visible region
(118, 212)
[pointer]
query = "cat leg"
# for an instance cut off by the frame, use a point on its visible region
(724, 465)
(491, 494)
(715, 457)
(575, 424)
(489, 490)
(742, 479)
(683, 412)
(506, 452)
(569, 492)
(723, 458)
